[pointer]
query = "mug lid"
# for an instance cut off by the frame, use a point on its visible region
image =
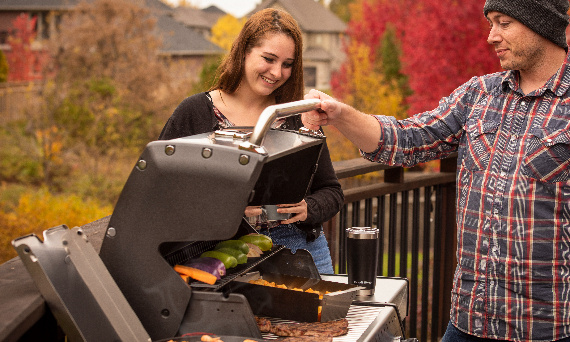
(362, 232)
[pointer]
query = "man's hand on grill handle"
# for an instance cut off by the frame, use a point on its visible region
(328, 110)
(361, 129)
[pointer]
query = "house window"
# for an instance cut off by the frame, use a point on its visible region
(310, 76)
(4, 37)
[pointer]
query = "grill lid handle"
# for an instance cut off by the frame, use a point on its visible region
(278, 111)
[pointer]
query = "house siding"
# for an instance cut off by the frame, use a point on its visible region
(325, 34)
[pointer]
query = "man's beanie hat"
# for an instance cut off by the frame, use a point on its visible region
(548, 18)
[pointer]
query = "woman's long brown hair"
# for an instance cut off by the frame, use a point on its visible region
(258, 27)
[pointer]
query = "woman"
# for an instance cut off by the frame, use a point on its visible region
(263, 68)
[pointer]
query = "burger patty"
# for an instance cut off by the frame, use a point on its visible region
(263, 324)
(316, 329)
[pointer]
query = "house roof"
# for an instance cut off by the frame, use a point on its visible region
(201, 19)
(311, 16)
(154, 4)
(37, 5)
(214, 10)
(177, 39)
(51, 5)
(316, 54)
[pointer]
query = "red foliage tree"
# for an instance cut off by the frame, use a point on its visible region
(25, 62)
(445, 49)
(444, 43)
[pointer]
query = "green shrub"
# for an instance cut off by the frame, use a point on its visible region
(19, 155)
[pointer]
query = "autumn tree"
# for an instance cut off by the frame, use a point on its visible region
(112, 41)
(365, 86)
(207, 76)
(97, 111)
(25, 62)
(226, 30)
(445, 49)
(341, 8)
(370, 80)
(108, 87)
(443, 43)
(389, 55)
(362, 84)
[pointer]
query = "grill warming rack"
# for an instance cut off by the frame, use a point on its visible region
(300, 263)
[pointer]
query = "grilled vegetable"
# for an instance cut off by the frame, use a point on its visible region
(254, 251)
(197, 274)
(208, 264)
(240, 257)
(235, 244)
(264, 242)
(228, 260)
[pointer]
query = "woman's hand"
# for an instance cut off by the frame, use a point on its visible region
(298, 211)
(252, 211)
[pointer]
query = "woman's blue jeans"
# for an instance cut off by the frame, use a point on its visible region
(293, 238)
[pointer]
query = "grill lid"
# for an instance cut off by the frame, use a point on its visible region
(196, 189)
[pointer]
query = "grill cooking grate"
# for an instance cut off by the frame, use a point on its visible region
(188, 251)
(359, 319)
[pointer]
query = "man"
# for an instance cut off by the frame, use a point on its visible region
(512, 134)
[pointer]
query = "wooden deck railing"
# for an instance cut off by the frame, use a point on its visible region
(415, 215)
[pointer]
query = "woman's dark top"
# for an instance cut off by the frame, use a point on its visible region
(195, 115)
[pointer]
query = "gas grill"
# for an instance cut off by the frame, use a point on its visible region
(182, 197)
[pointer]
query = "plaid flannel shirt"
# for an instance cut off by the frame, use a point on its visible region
(512, 280)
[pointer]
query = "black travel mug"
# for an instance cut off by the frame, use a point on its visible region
(362, 258)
